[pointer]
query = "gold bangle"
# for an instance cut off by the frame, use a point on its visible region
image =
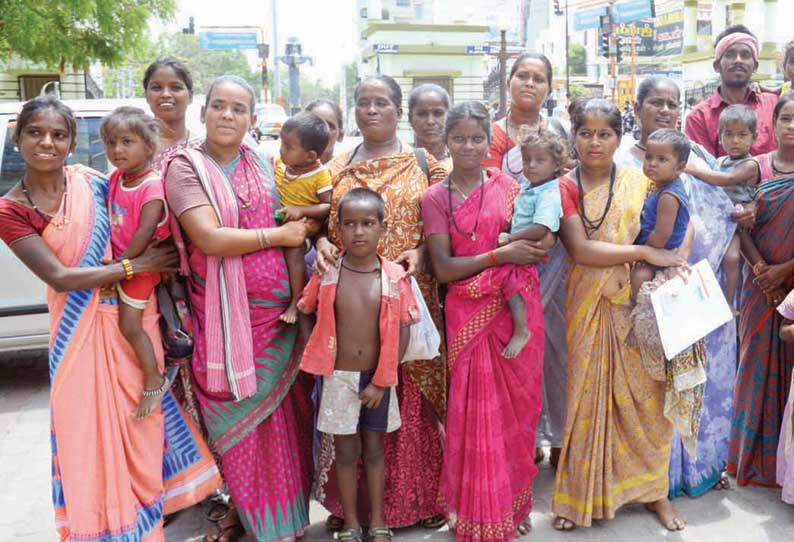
(127, 265)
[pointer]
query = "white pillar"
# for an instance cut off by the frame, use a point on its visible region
(718, 15)
(769, 26)
(690, 26)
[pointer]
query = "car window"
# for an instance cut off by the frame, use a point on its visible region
(89, 151)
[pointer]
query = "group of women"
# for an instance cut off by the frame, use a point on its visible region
(467, 449)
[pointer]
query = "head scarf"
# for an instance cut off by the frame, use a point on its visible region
(732, 39)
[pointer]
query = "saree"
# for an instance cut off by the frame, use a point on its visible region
(494, 402)
(709, 210)
(263, 440)
(785, 447)
(765, 361)
(112, 476)
(413, 454)
(616, 446)
(555, 350)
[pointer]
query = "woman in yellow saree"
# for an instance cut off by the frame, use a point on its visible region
(617, 441)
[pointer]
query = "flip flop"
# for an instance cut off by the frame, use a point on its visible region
(349, 535)
(434, 522)
(380, 531)
(563, 524)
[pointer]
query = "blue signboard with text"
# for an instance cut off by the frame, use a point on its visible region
(588, 18)
(228, 40)
(632, 10)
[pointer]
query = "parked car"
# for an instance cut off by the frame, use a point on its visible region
(24, 321)
(269, 119)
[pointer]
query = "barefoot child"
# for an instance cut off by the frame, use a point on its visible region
(304, 186)
(137, 216)
(665, 214)
(364, 310)
(739, 175)
(537, 211)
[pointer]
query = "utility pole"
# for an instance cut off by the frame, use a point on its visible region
(502, 74)
(294, 58)
(613, 64)
(275, 92)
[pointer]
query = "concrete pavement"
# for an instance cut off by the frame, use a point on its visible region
(739, 514)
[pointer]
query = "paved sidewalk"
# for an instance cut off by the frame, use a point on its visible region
(741, 514)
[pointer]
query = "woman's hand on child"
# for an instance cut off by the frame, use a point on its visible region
(292, 233)
(746, 217)
(521, 252)
(504, 238)
(159, 257)
(327, 255)
(290, 213)
(372, 396)
(662, 258)
(413, 260)
(771, 277)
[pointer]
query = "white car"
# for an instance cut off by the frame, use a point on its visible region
(24, 323)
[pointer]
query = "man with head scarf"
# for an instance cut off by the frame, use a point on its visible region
(736, 60)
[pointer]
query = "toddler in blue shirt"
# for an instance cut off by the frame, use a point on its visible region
(665, 215)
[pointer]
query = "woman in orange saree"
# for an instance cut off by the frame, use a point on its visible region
(112, 475)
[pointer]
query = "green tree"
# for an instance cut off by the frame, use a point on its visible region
(77, 32)
(578, 58)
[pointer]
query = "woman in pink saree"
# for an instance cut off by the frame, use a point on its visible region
(256, 410)
(494, 402)
(112, 475)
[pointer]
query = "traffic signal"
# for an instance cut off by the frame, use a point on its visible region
(191, 27)
(557, 8)
(618, 52)
(603, 44)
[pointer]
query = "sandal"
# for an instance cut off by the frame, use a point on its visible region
(218, 511)
(228, 533)
(349, 535)
(434, 522)
(525, 527)
(334, 523)
(539, 455)
(384, 532)
(563, 524)
(722, 483)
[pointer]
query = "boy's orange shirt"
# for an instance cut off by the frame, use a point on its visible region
(398, 308)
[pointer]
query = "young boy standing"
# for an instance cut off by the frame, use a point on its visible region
(364, 310)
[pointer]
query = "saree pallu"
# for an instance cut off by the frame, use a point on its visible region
(413, 454)
(709, 213)
(494, 402)
(616, 447)
(765, 361)
(265, 440)
(108, 468)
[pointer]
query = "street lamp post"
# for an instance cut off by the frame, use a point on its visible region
(558, 11)
(502, 70)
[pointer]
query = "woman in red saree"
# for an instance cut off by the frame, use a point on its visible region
(112, 475)
(494, 402)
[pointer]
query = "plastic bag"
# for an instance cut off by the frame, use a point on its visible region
(425, 340)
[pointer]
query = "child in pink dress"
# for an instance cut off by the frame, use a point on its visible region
(138, 216)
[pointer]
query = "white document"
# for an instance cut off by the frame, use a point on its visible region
(688, 311)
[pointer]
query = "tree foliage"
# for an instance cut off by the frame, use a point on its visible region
(61, 33)
(578, 58)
